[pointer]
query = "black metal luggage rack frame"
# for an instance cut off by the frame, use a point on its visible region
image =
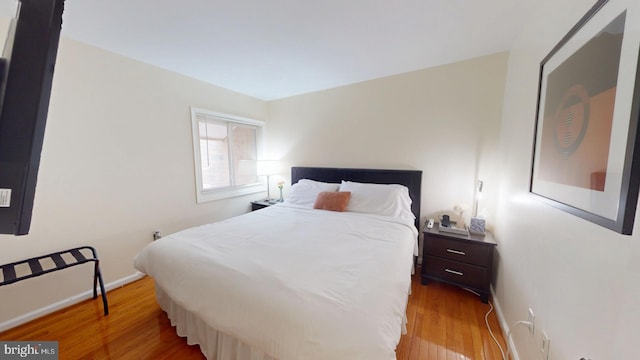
(9, 270)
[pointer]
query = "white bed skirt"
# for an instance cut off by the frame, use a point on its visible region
(214, 344)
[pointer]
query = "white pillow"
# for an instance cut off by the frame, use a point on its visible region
(380, 199)
(305, 192)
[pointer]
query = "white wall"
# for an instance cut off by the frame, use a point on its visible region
(581, 280)
(443, 120)
(117, 164)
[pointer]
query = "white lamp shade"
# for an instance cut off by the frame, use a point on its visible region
(267, 167)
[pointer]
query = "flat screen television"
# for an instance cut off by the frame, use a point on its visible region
(26, 73)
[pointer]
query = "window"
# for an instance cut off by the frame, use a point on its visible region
(226, 150)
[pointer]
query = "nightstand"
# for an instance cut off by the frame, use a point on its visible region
(462, 260)
(261, 204)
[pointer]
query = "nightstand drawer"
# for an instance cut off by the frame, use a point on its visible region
(464, 251)
(455, 272)
(260, 204)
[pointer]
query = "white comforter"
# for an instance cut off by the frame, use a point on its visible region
(296, 283)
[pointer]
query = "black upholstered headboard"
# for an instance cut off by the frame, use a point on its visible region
(412, 179)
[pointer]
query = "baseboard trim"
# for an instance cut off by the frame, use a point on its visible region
(22, 319)
(504, 327)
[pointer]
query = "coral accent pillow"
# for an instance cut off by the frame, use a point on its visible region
(334, 200)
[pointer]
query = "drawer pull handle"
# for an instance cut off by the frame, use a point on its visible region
(454, 272)
(458, 252)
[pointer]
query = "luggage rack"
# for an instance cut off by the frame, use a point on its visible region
(54, 262)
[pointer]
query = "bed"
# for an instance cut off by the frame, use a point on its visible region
(291, 282)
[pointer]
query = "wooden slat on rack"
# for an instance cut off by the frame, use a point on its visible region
(35, 266)
(9, 273)
(78, 255)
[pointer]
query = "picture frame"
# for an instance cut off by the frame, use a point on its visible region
(586, 149)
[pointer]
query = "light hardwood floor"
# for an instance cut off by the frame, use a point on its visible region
(444, 323)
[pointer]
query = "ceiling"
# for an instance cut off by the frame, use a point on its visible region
(272, 49)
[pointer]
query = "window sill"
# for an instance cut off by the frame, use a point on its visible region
(224, 193)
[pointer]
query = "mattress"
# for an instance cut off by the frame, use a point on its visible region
(288, 282)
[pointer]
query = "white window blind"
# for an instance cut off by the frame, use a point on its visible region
(226, 150)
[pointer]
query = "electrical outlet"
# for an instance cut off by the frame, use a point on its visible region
(544, 345)
(532, 321)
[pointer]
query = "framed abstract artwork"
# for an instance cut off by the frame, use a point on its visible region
(586, 154)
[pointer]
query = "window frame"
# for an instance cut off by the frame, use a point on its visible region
(205, 195)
